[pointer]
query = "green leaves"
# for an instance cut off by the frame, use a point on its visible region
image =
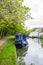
(12, 15)
(7, 0)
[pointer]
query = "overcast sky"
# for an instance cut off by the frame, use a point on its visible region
(36, 12)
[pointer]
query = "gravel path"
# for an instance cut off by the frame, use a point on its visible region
(3, 41)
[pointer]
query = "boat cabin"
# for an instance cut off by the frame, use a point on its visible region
(20, 39)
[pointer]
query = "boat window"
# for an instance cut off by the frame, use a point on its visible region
(17, 37)
(20, 37)
(24, 37)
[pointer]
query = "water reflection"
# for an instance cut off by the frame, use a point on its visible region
(41, 42)
(33, 55)
(21, 53)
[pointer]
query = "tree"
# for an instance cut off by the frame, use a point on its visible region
(12, 16)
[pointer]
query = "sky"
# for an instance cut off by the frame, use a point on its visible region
(36, 12)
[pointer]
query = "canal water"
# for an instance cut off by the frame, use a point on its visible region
(32, 54)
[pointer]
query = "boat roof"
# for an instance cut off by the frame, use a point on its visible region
(18, 33)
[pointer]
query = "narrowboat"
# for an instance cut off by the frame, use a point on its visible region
(20, 40)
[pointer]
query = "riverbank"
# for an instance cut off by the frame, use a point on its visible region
(41, 36)
(8, 54)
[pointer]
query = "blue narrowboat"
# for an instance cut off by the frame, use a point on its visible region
(20, 39)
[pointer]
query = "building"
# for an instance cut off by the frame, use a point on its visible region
(37, 33)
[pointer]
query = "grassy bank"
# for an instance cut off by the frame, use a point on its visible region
(8, 54)
(41, 36)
